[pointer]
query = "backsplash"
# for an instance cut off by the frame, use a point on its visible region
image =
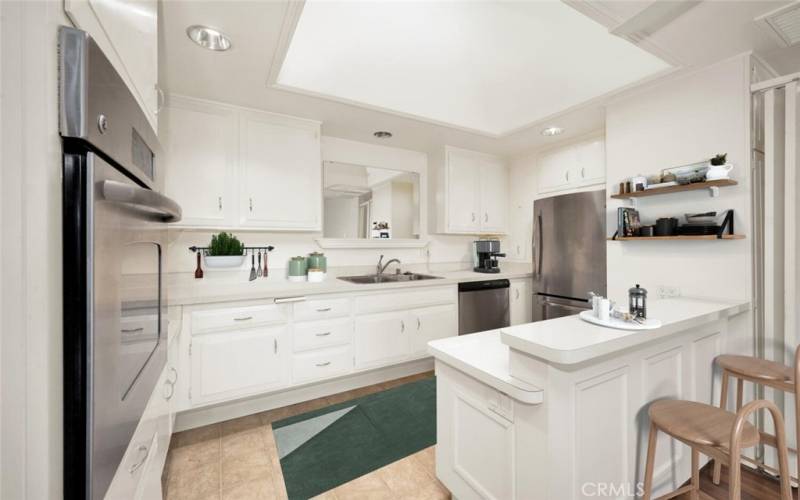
(440, 249)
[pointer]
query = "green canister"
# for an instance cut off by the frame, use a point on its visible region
(298, 266)
(317, 260)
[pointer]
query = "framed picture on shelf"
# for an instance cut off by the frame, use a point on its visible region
(628, 222)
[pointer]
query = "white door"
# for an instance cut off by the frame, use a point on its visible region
(200, 143)
(494, 197)
(382, 338)
(232, 364)
(431, 323)
(520, 302)
(280, 173)
(127, 32)
(463, 200)
(554, 170)
(591, 162)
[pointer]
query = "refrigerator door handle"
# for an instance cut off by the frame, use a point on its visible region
(538, 245)
(547, 302)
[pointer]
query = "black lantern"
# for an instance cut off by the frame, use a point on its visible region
(637, 300)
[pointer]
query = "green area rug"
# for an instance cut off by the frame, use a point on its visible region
(322, 449)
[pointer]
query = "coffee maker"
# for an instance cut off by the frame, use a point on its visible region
(485, 256)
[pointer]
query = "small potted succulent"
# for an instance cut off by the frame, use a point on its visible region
(225, 250)
(719, 168)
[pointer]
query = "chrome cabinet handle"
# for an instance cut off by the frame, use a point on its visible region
(244, 318)
(160, 99)
(171, 386)
(175, 372)
(219, 202)
(402, 326)
(323, 364)
(567, 174)
(275, 345)
(419, 323)
(473, 216)
(583, 172)
(142, 448)
(323, 334)
(286, 300)
(486, 217)
(132, 330)
(251, 204)
(323, 310)
(516, 294)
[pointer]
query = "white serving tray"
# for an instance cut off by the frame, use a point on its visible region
(650, 324)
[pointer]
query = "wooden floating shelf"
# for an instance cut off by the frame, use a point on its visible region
(684, 237)
(676, 189)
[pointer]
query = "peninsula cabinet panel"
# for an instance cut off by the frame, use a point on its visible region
(233, 364)
(280, 173)
(200, 145)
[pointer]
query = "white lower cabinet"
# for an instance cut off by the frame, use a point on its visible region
(381, 338)
(430, 324)
(520, 302)
(322, 363)
(232, 364)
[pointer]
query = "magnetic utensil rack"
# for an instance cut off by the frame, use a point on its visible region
(247, 250)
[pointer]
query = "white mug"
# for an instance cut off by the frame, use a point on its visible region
(604, 309)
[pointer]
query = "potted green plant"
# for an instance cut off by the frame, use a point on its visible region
(225, 250)
(719, 168)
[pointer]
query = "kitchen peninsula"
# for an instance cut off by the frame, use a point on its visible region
(557, 409)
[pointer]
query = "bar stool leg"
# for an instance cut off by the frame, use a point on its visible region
(723, 402)
(648, 469)
(739, 393)
(695, 475)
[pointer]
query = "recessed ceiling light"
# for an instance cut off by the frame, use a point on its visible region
(551, 131)
(208, 38)
(382, 134)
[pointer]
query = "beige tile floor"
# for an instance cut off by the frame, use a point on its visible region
(238, 459)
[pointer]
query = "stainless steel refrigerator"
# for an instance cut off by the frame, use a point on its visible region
(569, 253)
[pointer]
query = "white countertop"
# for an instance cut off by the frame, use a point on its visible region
(484, 357)
(570, 340)
(234, 286)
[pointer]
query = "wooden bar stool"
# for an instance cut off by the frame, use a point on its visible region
(715, 433)
(767, 373)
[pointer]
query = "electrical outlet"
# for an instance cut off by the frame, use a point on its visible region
(667, 292)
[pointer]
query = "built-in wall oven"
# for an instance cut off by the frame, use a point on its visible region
(114, 237)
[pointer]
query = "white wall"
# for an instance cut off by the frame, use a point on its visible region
(675, 123)
(30, 317)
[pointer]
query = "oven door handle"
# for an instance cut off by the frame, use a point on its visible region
(121, 192)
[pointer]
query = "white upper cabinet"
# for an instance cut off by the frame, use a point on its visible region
(471, 193)
(280, 172)
(200, 146)
(236, 168)
(127, 32)
(577, 165)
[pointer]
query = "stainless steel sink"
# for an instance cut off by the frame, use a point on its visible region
(387, 278)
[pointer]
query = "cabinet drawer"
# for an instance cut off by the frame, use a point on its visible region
(321, 308)
(322, 363)
(240, 317)
(317, 334)
(402, 300)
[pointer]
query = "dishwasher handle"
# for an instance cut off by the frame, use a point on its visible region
(479, 286)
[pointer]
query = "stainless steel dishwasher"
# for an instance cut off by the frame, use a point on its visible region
(482, 305)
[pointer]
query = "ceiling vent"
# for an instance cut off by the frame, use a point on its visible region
(783, 24)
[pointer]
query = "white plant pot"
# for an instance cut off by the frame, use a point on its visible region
(223, 261)
(719, 172)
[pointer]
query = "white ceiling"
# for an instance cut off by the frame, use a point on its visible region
(240, 76)
(489, 67)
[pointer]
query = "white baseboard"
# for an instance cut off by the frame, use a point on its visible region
(210, 415)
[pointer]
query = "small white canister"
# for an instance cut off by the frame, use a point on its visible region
(604, 312)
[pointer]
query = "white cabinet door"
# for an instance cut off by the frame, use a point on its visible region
(494, 197)
(382, 338)
(200, 161)
(520, 298)
(280, 173)
(232, 364)
(127, 32)
(591, 162)
(463, 193)
(430, 324)
(554, 170)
